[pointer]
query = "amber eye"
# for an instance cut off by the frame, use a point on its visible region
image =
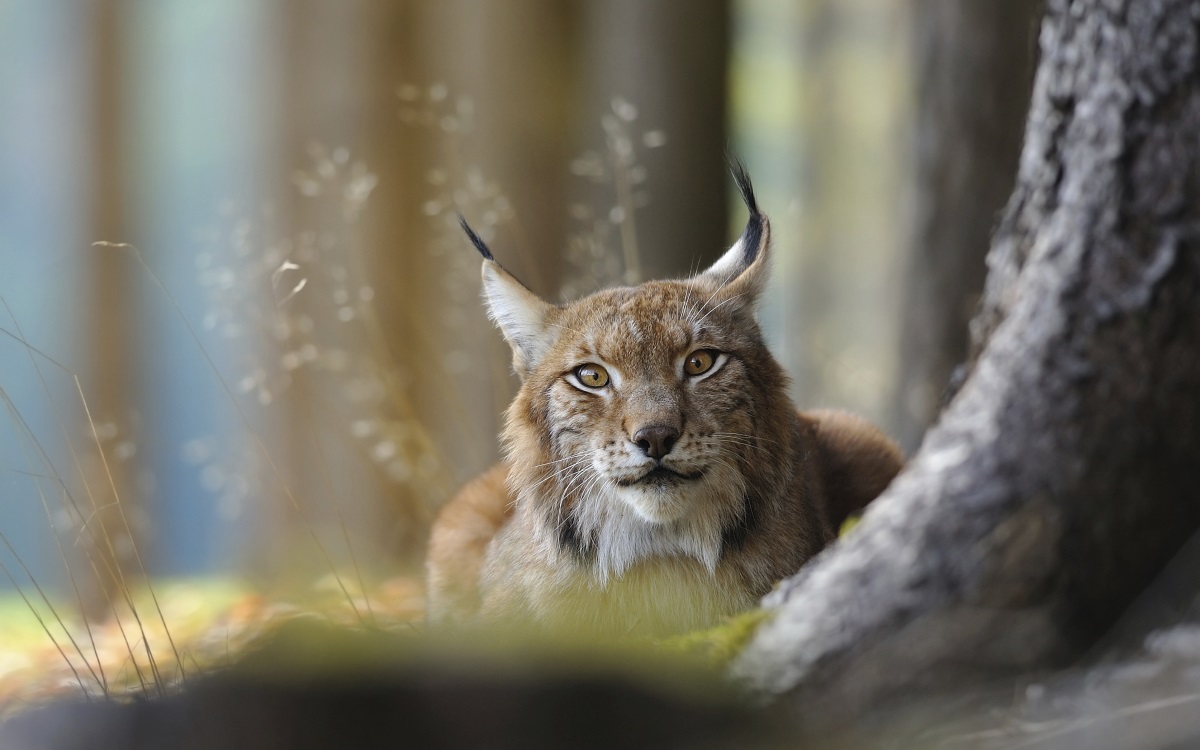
(593, 376)
(699, 361)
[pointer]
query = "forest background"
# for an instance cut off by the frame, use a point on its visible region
(242, 346)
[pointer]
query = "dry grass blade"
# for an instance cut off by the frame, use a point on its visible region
(42, 622)
(136, 553)
(113, 570)
(245, 420)
(29, 350)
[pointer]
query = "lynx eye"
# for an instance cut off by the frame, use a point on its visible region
(699, 361)
(592, 376)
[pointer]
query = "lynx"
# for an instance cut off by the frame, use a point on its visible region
(657, 476)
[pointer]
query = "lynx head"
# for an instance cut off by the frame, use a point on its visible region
(646, 414)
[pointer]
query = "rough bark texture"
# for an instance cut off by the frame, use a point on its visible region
(975, 73)
(1064, 473)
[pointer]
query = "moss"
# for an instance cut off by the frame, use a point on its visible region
(848, 524)
(720, 645)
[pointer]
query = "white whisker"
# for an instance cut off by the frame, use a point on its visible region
(718, 307)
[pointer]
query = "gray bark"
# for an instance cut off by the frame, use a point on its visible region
(975, 74)
(1063, 475)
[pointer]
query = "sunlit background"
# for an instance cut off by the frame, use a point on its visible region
(241, 333)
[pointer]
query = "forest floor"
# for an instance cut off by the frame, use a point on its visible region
(1146, 699)
(184, 628)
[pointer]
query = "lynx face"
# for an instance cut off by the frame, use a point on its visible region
(647, 402)
(645, 392)
(651, 395)
(642, 406)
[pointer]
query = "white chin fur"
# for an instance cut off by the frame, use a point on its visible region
(631, 524)
(655, 504)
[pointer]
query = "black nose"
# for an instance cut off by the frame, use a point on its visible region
(656, 440)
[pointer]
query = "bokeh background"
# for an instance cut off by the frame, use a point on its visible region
(241, 334)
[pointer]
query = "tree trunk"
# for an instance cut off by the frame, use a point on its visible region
(1063, 474)
(107, 325)
(975, 73)
(668, 62)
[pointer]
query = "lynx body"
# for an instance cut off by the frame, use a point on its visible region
(657, 476)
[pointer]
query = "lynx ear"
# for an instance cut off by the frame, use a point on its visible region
(521, 315)
(743, 270)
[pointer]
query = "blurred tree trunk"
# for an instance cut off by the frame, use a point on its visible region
(327, 488)
(846, 205)
(111, 354)
(1063, 475)
(467, 105)
(975, 73)
(486, 131)
(668, 60)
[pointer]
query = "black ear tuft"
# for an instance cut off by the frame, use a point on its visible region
(478, 243)
(753, 233)
(743, 184)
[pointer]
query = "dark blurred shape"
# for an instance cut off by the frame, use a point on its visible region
(413, 710)
(358, 691)
(975, 72)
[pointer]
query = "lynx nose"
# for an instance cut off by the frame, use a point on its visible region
(656, 440)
